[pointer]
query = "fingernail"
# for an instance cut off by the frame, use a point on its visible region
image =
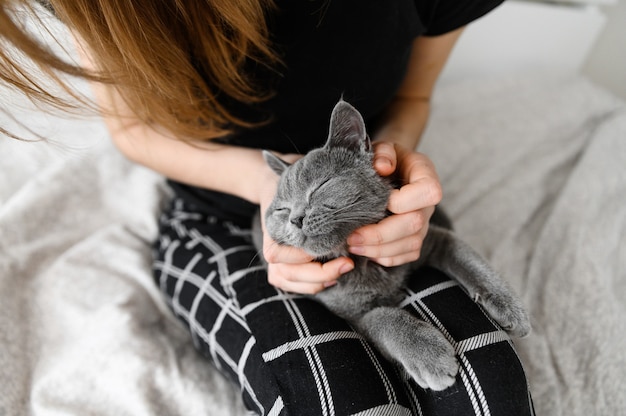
(355, 239)
(359, 250)
(329, 284)
(383, 162)
(345, 268)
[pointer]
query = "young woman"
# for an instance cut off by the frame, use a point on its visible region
(194, 90)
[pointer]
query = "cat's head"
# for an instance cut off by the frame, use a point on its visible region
(330, 192)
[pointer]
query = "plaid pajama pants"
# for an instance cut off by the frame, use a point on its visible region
(290, 356)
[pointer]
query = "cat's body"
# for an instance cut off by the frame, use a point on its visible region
(332, 191)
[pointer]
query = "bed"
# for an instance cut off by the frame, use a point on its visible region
(533, 170)
(534, 178)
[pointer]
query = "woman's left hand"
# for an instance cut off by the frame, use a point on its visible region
(398, 238)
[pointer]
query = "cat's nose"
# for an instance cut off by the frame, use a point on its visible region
(297, 220)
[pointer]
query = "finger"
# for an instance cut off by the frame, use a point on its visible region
(414, 165)
(397, 260)
(405, 246)
(385, 159)
(426, 192)
(302, 288)
(312, 272)
(422, 187)
(310, 277)
(390, 229)
(277, 253)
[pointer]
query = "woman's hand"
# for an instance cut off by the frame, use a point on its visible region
(398, 238)
(289, 268)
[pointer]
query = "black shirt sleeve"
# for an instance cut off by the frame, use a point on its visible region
(442, 16)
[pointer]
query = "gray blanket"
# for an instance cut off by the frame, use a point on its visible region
(533, 175)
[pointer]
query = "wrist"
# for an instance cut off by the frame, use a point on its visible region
(225, 168)
(404, 122)
(256, 177)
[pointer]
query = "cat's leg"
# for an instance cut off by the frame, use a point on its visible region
(491, 378)
(456, 258)
(420, 348)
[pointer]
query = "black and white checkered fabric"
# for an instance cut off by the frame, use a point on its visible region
(290, 356)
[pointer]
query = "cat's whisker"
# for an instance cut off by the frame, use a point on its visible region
(257, 255)
(354, 218)
(347, 207)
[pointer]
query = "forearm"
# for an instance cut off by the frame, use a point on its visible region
(223, 168)
(406, 117)
(404, 122)
(235, 170)
(205, 164)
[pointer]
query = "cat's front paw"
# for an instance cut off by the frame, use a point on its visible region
(421, 349)
(508, 312)
(436, 367)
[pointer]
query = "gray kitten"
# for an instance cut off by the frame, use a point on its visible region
(322, 198)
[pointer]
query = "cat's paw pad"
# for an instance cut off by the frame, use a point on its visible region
(437, 366)
(508, 312)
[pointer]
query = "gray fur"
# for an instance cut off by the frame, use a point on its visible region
(322, 198)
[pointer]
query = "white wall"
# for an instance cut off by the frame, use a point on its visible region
(606, 63)
(522, 37)
(551, 37)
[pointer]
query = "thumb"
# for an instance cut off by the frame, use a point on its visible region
(385, 158)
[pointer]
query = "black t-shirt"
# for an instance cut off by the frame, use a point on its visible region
(357, 49)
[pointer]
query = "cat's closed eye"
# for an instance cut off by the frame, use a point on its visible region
(344, 203)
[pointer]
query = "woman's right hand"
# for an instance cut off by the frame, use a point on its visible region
(289, 268)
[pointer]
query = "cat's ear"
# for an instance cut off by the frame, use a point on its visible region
(347, 129)
(275, 163)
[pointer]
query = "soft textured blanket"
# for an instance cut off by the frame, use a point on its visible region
(533, 174)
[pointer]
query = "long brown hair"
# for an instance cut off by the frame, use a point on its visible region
(174, 62)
